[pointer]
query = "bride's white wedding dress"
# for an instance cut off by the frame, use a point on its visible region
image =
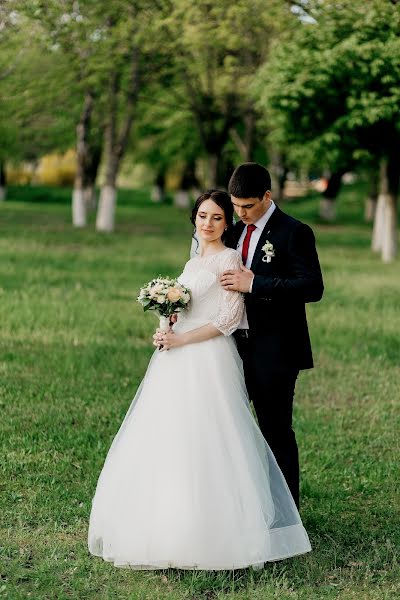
(189, 481)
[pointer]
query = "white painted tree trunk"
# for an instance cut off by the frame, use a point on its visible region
(106, 209)
(78, 208)
(181, 199)
(389, 242)
(327, 209)
(156, 194)
(2, 193)
(379, 224)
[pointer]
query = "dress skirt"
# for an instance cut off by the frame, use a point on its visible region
(189, 481)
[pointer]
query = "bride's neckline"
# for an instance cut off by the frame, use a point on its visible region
(214, 254)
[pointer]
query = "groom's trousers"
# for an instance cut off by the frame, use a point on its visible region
(272, 394)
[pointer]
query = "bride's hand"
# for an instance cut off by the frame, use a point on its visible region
(168, 340)
(157, 337)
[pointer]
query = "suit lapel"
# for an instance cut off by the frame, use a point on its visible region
(266, 234)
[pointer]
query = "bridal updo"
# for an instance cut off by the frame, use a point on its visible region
(221, 199)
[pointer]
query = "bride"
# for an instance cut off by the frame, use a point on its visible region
(189, 481)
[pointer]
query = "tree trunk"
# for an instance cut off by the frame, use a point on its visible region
(2, 181)
(249, 134)
(90, 197)
(279, 173)
(158, 189)
(389, 188)
(114, 144)
(92, 167)
(105, 218)
(379, 224)
(384, 236)
(188, 183)
(239, 143)
(370, 208)
(82, 151)
(106, 209)
(182, 199)
(78, 207)
(157, 194)
(212, 171)
(327, 207)
(245, 146)
(389, 243)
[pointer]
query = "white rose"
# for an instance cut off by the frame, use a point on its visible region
(160, 299)
(153, 293)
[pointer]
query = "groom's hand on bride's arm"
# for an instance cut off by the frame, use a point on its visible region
(237, 281)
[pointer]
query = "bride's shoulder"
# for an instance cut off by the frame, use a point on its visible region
(231, 257)
(231, 252)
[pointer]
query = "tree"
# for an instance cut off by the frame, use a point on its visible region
(132, 48)
(36, 115)
(337, 86)
(122, 95)
(166, 138)
(218, 48)
(104, 43)
(75, 30)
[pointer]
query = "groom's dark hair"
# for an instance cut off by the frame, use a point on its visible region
(249, 180)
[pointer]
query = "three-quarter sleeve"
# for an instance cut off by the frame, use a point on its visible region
(230, 304)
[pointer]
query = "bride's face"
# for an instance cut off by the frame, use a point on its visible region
(210, 221)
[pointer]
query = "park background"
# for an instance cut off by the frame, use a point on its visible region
(113, 115)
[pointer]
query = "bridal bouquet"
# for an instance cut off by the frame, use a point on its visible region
(166, 296)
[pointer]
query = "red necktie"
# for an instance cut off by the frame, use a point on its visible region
(246, 242)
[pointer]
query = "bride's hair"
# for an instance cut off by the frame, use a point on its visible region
(223, 200)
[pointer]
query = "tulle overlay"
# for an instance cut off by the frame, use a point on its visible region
(189, 481)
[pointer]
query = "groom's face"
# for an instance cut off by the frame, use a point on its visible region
(250, 210)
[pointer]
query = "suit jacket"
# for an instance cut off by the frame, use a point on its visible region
(276, 306)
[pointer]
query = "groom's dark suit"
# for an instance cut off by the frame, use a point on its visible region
(277, 344)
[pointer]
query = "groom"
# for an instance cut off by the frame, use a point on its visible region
(281, 273)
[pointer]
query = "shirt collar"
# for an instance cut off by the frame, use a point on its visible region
(262, 221)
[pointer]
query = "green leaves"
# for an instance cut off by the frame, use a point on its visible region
(337, 76)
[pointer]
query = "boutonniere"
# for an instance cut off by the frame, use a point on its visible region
(269, 251)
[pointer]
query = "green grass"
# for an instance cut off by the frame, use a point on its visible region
(74, 346)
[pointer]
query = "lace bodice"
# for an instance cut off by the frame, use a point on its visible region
(210, 303)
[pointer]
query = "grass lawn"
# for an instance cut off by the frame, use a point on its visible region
(74, 347)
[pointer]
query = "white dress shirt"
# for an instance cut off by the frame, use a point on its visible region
(255, 237)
